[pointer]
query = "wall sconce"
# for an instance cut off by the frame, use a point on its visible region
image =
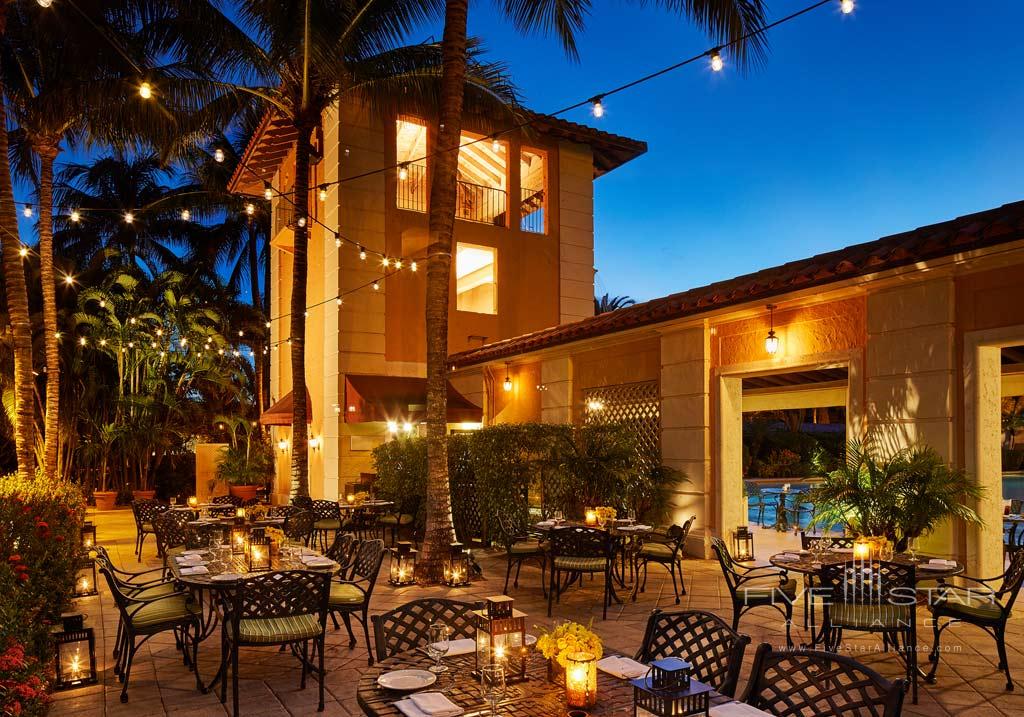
(507, 385)
(771, 341)
(595, 404)
(314, 442)
(542, 387)
(282, 445)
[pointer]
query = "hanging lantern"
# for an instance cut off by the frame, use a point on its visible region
(402, 564)
(668, 691)
(88, 535)
(74, 660)
(581, 680)
(771, 341)
(501, 638)
(457, 566)
(85, 578)
(239, 533)
(742, 544)
(257, 551)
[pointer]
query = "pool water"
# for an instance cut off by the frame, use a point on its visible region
(1013, 485)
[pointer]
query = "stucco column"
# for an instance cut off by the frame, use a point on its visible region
(729, 503)
(329, 397)
(556, 399)
(686, 425)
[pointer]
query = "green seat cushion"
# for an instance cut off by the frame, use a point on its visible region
(152, 592)
(967, 607)
(765, 588)
(403, 519)
(526, 547)
(162, 612)
(147, 527)
(656, 550)
(272, 630)
(327, 524)
(346, 594)
(870, 616)
(586, 565)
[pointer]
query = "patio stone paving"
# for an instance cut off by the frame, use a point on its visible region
(968, 682)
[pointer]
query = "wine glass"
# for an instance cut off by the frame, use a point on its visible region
(558, 516)
(437, 645)
(912, 549)
(492, 685)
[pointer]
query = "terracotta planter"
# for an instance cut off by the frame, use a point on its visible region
(105, 499)
(143, 494)
(245, 492)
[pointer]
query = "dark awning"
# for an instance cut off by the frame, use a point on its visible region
(280, 414)
(400, 398)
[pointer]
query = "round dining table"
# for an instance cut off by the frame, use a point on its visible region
(810, 564)
(536, 696)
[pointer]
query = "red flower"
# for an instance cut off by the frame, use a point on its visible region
(23, 577)
(59, 538)
(21, 568)
(16, 558)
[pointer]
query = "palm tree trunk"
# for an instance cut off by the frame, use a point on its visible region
(17, 307)
(300, 456)
(439, 530)
(51, 426)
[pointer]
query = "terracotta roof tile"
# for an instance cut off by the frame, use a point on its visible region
(973, 231)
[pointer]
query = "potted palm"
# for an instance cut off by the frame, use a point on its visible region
(98, 449)
(899, 497)
(247, 463)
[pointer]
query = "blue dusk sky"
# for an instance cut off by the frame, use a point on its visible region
(904, 113)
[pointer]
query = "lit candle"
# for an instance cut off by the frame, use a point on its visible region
(87, 542)
(590, 517)
(581, 680)
(239, 512)
(350, 498)
(83, 584)
(192, 501)
(76, 664)
(861, 549)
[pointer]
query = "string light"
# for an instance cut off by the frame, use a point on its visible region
(82, 341)
(495, 145)
(362, 253)
(250, 209)
(716, 61)
(241, 333)
(44, 3)
(103, 342)
(68, 279)
(376, 285)
(597, 106)
(218, 155)
(27, 211)
(268, 324)
(185, 215)
(268, 191)
(398, 263)
(103, 303)
(413, 267)
(385, 262)
(337, 241)
(338, 301)
(323, 192)
(145, 90)
(57, 335)
(846, 6)
(23, 251)
(403, 171)
(75, 216)
(129, 217)
(301, 221)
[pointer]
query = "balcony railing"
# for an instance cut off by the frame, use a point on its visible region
(479, 203)
(284, 214)
(531, 210)
(412, 191)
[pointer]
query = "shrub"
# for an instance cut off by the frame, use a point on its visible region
(23, 683)
(40, 539)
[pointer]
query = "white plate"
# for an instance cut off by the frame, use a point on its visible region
(226, 577)
(932, 566)
(531, 640)
(406, 680)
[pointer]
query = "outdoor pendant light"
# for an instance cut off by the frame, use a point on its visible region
(771, 341)
(508, 379)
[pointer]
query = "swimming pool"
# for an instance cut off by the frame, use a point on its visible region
(1013, 485)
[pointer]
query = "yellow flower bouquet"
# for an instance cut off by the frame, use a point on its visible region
(605, 514)
(565, 639)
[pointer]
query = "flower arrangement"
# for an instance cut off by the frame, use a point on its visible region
(276, 535)
(605, 514)
(256, 512)
(22, 683)
(568, 638)
(361, 497)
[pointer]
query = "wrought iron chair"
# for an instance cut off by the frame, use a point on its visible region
(328, 519)
(798, 505)
(408, 626)
(351, 597)
(173, 531)
(703, 639)
(809, 541)
(275, 608)
(225, 504)
(752, 587)
(144, 616)
(575, 552)
(283, 511)
(343, 551)
(668, 554)
(521, 548)
(983, 606)
(797, 683)
(144, 512)
(298, 527)
(756, 498)
(404, 516)
(874, 596)
(304, 502)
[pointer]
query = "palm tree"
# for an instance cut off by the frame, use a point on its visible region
(730, 20)
(608, 303)
(303, 56)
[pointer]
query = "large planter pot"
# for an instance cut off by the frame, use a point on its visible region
(143, 494)
(105, 499)
(245, 492)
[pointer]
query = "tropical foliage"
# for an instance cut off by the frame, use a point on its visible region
(606, 303)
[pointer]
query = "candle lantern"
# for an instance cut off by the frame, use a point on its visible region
(581, 680)
(85, 578)
(457, 566)
(668, 691)
(74, 653)
(257, 551)
(501, 638)
(88, 535)
(402, 564)
(862, 549)
(193, 502)
(742, 544)
(240, 513)
(590, 516)
(239, 533)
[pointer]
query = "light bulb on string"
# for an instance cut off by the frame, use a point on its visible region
(716, 61)
(403, 171)
(846, 6)
(218, 155)
(186, 215)
(103, 342)
(413, 267)
(268, 191)
(323, 193)
(385, 262)
(250, 209)
(44, 3)
(241, 333)
(337, 241)
(268, 324)
(362, 254)
(495, 145)
(23, 252)
(376, 286)
(597, 106)
(398, 263)
(145, 90)
(301, 221)
(159, 332)
(338, 301)
(27, 211)
(75, 216)
(69, 280)
(82, 341)
(103, 303)
(129, 217)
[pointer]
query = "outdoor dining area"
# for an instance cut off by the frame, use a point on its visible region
(291, 609)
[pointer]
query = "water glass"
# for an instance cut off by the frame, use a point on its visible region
(438, 645)
(492, 685)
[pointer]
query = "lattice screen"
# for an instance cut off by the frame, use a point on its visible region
(636, 405)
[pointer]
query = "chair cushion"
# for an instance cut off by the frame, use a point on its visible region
(403, 519)
(346, 594)
(271, 630)
(152, 591)
(656, 550)
(967, 607)
(870, 616)
(327, 524)
(527, 547)
(147, 527)
(163, 612)
(586, 565)
(765, 587)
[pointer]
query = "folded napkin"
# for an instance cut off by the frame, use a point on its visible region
(194, 552)
(842, 550)
(735, 709)
(545, 524)
(314, 559)
(787, 557)
(428, 704)
(939, 562)
(622, 667)
(641, 526)
(188, 559)
(464, 646)
(195, 570)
